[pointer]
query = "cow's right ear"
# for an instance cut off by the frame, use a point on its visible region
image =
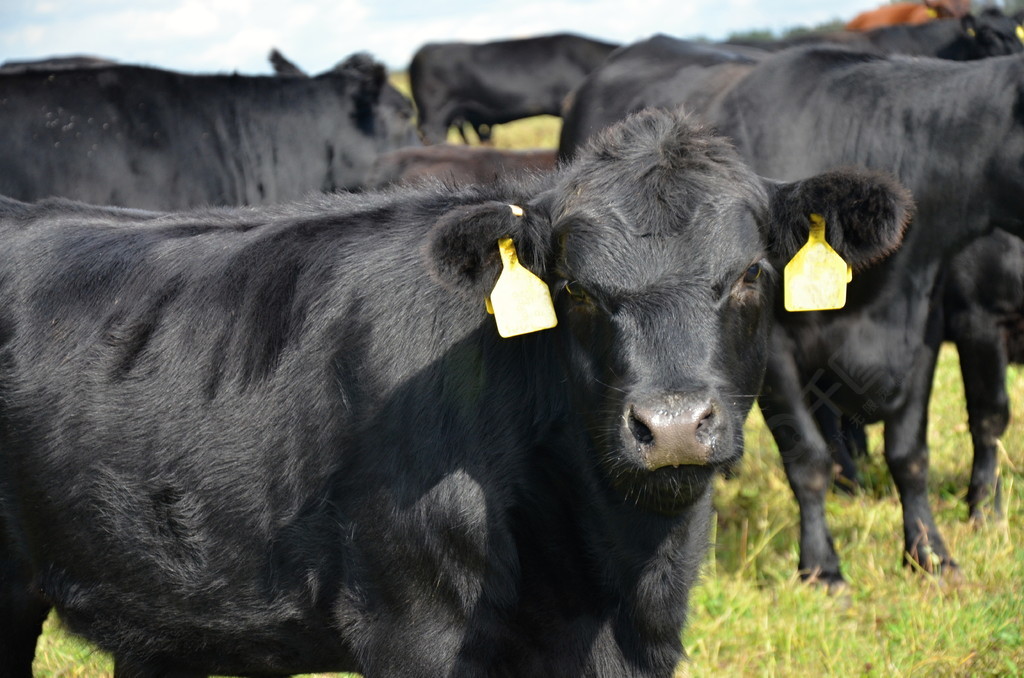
(462, 247)
(865, 213)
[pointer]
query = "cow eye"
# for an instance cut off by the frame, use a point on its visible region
(752, 273)
(576, 292)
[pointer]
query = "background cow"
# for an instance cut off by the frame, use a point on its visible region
(806, 109)
(988, 33)
(461, 164)
(144, 137)
(663, 71)
(495, 82)
(874, 359)
(908, 13)
(290, 439)
(51, 64)
(983, 315)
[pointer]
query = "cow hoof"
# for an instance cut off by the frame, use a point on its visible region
(832, 582)
(848, 486)
(981, 516)
(928, 561)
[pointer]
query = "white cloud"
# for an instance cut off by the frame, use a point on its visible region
(225, 35)
(190, 19)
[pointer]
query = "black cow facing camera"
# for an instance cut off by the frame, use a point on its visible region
(290, 439)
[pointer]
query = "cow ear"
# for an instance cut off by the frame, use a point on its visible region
(970, 25)
(865, 214)
(462, 247)
(368, 77)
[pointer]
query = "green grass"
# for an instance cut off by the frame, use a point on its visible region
(752, 617)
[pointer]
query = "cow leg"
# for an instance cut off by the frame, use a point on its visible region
(807, 461)
(834, 431)
(856, 437)
(906, 454)
(22, 614)
(983, 363)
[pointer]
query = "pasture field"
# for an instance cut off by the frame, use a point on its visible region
(751, 616)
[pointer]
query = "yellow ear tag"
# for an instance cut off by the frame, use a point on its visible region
(1020, 32)
(520, 301)
(815, 278)
(933, 13)
(971, 33)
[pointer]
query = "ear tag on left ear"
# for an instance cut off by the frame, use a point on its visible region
(1020, 32)
(815, 278)
(521, 302)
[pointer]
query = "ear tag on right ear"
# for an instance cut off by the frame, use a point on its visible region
(521, 302)
(815, 278)
(1020, 32)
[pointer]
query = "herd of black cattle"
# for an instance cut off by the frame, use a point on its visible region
(256, 419)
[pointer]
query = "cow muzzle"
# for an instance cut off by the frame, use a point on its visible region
(675, 429)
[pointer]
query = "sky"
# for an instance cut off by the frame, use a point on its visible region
(209, 36)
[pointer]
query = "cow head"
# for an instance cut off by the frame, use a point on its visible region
(990, 33)
(662, 251)
(378, 109)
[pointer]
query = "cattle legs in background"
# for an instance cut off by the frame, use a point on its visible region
(983, 364)
(806, 460)
(906, 455)
(806, 426)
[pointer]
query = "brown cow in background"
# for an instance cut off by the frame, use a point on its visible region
(909, 13)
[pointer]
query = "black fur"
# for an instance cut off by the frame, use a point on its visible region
(452, 82)
(270, 441)
(115, 134)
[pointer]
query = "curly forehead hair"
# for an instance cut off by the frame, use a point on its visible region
(679, 162)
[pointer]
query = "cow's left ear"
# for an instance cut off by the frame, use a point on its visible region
(368, 77)
(865, 214)
(462, 247)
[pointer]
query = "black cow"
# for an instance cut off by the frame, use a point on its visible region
(61, 63)
(664, 72)
(659, 72)
(989, 33)
(874, 360)
(143, 137)
(983, 315)
(289, 439)
(489, 83)
(449, 162)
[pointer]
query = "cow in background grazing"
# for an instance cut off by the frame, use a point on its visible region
(290, 439)
(156, 139)
(459, 83)
(909, 13)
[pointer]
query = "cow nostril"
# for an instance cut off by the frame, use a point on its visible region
(640, 430)
(707, 419)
